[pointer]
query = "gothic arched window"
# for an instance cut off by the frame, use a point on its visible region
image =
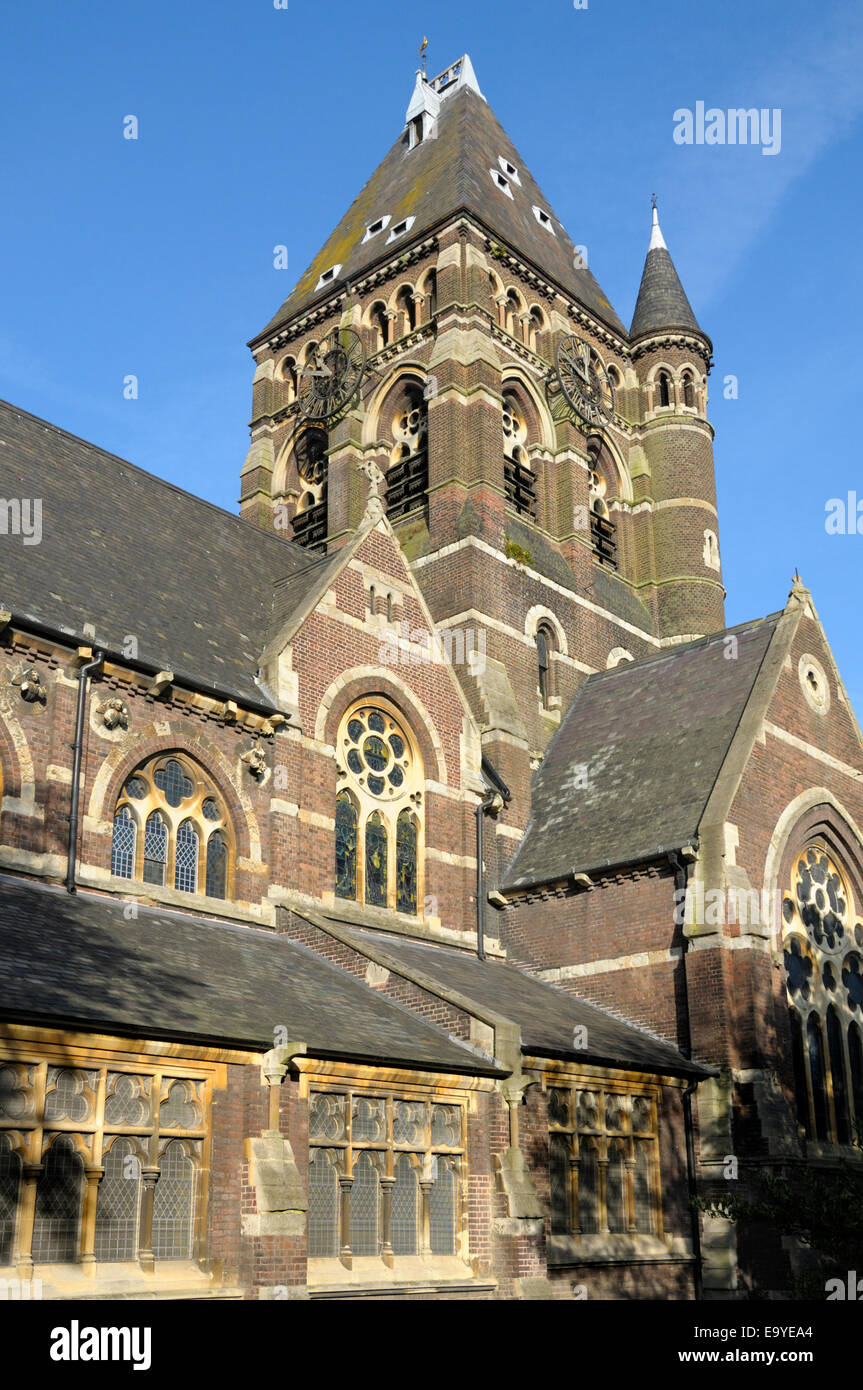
(823, 943)
(688, 390)
(171, 827)
(59, 1197)
(378, 827)
(430, 291)
(545, 645)
(406, 305)
(663, 386)
(173, 1204)
(602, 528)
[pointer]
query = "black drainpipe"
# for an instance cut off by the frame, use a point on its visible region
(681, 876)
(77, 747)
(500, 792)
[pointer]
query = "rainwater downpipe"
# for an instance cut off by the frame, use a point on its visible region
(83, 681)
(681, 876)
(482, 807)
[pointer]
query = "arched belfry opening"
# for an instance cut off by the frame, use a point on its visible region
(404, 418)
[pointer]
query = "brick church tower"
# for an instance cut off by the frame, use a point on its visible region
(549, 476)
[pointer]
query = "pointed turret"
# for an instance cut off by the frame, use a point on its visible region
(662, 301)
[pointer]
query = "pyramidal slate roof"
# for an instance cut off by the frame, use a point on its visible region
(629, 772)
(132, 554)
(439, 177)
(662, 301)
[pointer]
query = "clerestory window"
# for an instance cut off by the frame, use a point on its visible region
(171, 829)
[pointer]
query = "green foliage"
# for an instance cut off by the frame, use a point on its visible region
(512, 551)
(820, 1207)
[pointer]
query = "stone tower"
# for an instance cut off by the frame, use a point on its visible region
(573, 531)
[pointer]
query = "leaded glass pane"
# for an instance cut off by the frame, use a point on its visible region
(323, 1203)
(10, 1171)
(615, 1190)
(326, 1116)
(118, 1204)
(587, 1110)
(376, 721)
(186, 872)
(404, 1207)
(406, 863)
(211, 810)
(125, 1103)
(558, 1163)
(410, 1121)
(16, 1095)
(641, 1114)
(179, 1110)
(173, 782)
(614, 1112)
(816, 1072)
(346, 847)
(172, 1205)
(365, 1235)
(397, 744)
(355, 729)
(446, 1126)
(641, 1189)
(217, 866)
(123, 844)
(558, 1106)
(588, 1190)
(376, 861)
(155, 849)
(136, 788)
(368, 1120)
(65, 1098)
(837, 1073)
(855, 1057)
(59, 1194)
(442, 1208)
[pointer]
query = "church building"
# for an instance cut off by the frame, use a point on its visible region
(409, 887)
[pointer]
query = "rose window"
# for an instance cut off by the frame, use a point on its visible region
(376, 753)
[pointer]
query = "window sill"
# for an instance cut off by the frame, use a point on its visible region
(170, 1279)
(411, 1273)
(616, 1249)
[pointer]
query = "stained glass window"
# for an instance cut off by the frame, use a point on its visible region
(406, 863)
(155, 849)
(442, 1208)
(376, 861)
(217, 865)
(609, 1132)
(615, 1190)
(186, 872)
(346, 847)
(365, 1192)
(123, 844)
(210, 808)
(118, 1204)
(59, 1193)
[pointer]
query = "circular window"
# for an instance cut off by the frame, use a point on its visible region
(813, 682)
(376, 752)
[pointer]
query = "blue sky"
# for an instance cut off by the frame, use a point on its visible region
(258, 126)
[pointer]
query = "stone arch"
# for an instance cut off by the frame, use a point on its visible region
(375, 425)
(605, 449)
(363, 683)
(653, 386)
(17, 774)
(540, 424)
(148, 743)
(540, 614)
(815, 812)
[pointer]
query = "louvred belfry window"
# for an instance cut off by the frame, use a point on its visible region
(407, 475)
(171, 829)
(823, 943)
(378, 823)
(386, 1175)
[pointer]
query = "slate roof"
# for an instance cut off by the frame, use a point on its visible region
(652, 736)
(546, 1014)
(432, 182)
(662, 301)
(133, 554)
(75, 960)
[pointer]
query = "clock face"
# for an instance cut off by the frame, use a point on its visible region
(331, 378)
(584, 380)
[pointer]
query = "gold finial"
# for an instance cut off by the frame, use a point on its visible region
(423, 46)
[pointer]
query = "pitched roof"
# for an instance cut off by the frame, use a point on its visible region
(433, 181)
(130, 553)
(546, 1014)
(630, 770)
(75, 960)
(662, 301)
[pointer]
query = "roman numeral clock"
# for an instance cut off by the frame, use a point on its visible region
(332, 378)
(581, 376)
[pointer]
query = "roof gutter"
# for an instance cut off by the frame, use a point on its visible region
(687, 848)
